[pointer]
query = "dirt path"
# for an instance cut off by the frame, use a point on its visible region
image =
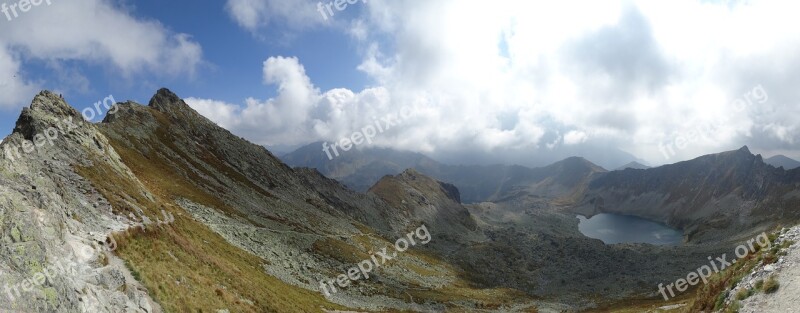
(787, 298)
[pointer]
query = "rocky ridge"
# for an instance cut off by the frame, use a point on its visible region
(54, 220)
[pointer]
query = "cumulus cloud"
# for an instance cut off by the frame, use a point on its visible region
(300, 112)
(224, 114)
(510, 77)
(91, 31)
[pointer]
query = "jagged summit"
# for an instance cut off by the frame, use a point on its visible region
(743, 152)
(49, 102)
(163, 104)
(744, 149)
(166, 100)
(47, 109)
(169, 103)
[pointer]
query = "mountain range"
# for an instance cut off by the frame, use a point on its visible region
(360, 169)
(249, 233)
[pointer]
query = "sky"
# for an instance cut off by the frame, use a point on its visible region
(464, 80)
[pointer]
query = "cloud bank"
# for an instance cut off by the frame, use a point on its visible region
(526, 78)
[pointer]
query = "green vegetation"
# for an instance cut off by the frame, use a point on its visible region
(734, 307)
(771, 285)
(744, 294)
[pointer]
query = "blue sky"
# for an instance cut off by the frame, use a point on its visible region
(500, 81)
(232, 58)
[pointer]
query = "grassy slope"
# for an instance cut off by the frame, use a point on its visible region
(647, 305)
(189, 268)
(186, 266)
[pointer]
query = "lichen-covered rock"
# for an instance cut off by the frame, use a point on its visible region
(51, 218)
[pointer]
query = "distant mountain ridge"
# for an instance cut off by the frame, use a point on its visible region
(717, 190)
(733, 189)
(634, 165)
(783, 161)
(361, 169)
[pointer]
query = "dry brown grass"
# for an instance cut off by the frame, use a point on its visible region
(712, 295)
(186, 266)
(189, 268)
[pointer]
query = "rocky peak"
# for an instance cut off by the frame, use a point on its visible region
(423, 182)
(53, 104)
(425, 199)
(47, 110)
(166, 101)
(744, 150)
(741, 157)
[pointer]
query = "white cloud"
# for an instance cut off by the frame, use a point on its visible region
(254, 15)
(300, 112)
(224, 114)
(250, 14)
(13, 87)
(514, 75)
(575, 137)
(96, 32)
(631, 73)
